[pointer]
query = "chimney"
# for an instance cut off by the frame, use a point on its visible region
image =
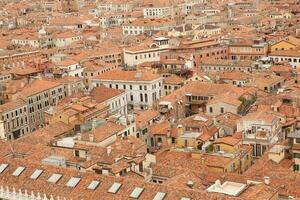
(190, 184)
(267, 180)
(94, 121)
(180, 129)
(108, 150)
(79, 136)
(88, 157)
(215, 120)
(297, 32)
(91, 137)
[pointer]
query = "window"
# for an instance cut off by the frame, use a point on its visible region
(222, 110)
(141, 97)
(296, 167)
(210, 109)
(76, 153)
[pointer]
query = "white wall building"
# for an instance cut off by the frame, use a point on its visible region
(139, 26)
(146, 52)
(142, 88)
(291, 56)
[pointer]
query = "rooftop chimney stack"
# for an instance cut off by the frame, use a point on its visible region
(94, 121)
(190, 184)
(267, 180)
(91, 137)
(108, 150)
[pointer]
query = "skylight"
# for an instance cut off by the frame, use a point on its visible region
(93, 185)
(114, 188)
(36, 174)
(73, 182)
(159, 196)
(18, 171)
(136, 192)
(3, 167)
(54, 178)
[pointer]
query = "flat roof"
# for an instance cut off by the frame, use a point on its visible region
(228, 187)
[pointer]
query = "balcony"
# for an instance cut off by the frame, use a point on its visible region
(259, 135)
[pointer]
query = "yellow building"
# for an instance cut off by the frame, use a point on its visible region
(240, 154)
(290, 43)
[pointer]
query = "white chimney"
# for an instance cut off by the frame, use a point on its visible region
(94, 121)
(88, 157)
(108, 150)
(91, 137)
(218, 183)
(267, 180)
(79, 136)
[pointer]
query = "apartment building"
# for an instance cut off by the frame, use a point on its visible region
(106, 52)
(108, 20)
(290, 56)
(116, 99)
(220, 65)
(157, 12)
(76, 112)
(200, 50)
(140, 26)
(193, 97)
(268, 82)
(147, 52)
(93, 68)
(39, 96)
(142, 88)
(68, 67)
(261, 129)
(14, 120)
(294, 143)
(105, 6)
(247, 50)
